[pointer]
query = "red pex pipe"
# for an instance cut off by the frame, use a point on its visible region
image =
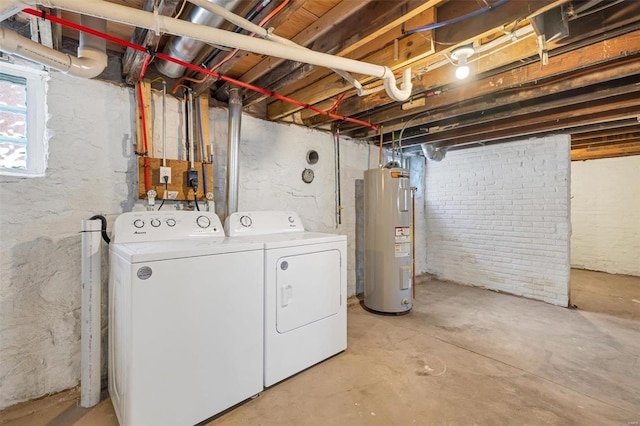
(190, 66)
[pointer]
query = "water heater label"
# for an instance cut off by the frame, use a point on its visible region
(403, 241)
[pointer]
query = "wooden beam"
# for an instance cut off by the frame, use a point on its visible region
(148, 119)
(323, 25)
(481, 26)
(411, 48)
(531, 92)
(606, 134)
(622, 48)
(621, 150)
(497, 17)
(560, 120)
(372, 21)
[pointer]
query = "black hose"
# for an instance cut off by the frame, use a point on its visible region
(103, 227)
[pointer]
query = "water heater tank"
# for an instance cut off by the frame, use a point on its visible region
(387, 240)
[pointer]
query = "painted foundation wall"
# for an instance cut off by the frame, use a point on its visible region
(605, 215)
(93, 170)
(272, 158)
(498, 217)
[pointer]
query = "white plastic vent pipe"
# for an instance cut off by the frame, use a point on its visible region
(91, 60)
(91, 326)
(164, 24)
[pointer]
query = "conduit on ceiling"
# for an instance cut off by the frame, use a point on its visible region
(213, 74)
(167, 25)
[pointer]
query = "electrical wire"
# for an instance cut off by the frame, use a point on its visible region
(454, 20)
(166, 191)
(193, 67)
(195, 200)
(103, 227)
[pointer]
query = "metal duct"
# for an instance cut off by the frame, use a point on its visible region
(433, 154)
(185, 48)
(233, 142)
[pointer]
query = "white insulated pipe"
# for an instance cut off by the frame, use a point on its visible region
(264, 33)
(91, 60)
(164, 24)
(91, 319)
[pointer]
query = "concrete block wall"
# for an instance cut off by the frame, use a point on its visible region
(605, 215)
(498, 217)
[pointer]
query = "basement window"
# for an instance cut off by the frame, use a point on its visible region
(23, 148)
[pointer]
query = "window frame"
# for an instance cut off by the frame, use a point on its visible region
(37, 142)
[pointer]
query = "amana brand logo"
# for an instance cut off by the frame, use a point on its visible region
(144, 273)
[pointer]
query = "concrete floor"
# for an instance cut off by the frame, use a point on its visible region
(462, 356)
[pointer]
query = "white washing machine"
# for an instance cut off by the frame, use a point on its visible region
(305, 277)
(185, 318)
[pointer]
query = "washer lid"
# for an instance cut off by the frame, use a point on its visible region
(300, 239)
(195, 247)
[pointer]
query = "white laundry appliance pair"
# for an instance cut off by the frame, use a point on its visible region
(185, 318)
(305, 290)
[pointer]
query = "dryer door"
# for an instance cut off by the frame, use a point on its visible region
(308, 288)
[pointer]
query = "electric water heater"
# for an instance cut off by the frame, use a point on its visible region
(387, 240)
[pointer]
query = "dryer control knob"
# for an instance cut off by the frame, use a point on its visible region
(155, 222)
(171, 222)
(138, 223)
(291, 219)
(245, 221)
(203, 221)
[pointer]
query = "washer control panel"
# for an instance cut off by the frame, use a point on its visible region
(262, 222)
(163, 226)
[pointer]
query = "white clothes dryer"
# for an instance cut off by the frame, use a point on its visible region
(305, 277)
(185, 318)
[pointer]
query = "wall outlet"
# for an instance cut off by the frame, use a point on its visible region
(165, 171)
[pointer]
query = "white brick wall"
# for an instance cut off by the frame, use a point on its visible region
(605, 215)
(498, 217)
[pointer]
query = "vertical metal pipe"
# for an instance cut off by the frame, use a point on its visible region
(91, 324)
(233, 141)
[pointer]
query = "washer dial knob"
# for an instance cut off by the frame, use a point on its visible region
(138, 223)
(245, 221)
(155, 222)
(171, 222)
(291, 219)
(203, 221)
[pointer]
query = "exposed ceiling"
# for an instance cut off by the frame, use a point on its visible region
(539, 67)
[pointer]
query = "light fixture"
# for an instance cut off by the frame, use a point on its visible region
(460, 55)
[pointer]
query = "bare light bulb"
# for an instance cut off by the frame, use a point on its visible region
(460, 56)
(462, 72)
